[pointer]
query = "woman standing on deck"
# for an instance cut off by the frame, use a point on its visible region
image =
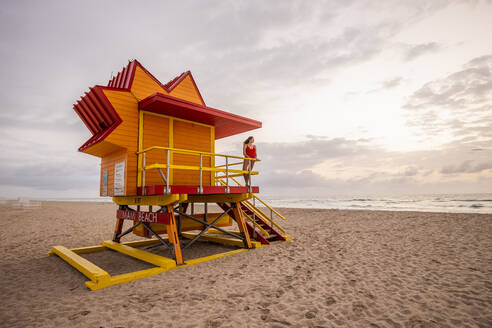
(249, 150)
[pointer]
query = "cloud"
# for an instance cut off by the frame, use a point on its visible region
(296, 157)
(467, 167)
(392, 83)
(52, 176)
(323, 166)
(470, 86)
(458, 104)
(418, 50)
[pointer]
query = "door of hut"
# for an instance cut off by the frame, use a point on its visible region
(192, 136)
(155, 133)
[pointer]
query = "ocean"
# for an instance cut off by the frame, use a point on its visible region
(449, 203)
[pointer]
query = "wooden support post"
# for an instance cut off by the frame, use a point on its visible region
(117, 230)
(239, 218)
(172, 233)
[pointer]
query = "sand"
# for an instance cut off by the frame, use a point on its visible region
(342, 269)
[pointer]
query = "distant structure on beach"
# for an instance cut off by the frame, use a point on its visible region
(157, 148)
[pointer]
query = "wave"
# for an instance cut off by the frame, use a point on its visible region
(472, 203)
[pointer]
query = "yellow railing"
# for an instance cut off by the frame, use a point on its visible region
(170, 166)
(257, 212)
(263, 202)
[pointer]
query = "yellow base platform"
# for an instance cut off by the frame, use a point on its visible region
(100, 278)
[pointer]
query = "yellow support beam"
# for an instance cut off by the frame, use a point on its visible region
(217, 198)
(141, 243)
(126, 277)
(100, 248)
(162, 200)
(195, 152)
(215, 256)
(140, 146)
(154, 259)
(220, 239)
(90, 270)
(236, 175)
(212, 230)
(197, 168)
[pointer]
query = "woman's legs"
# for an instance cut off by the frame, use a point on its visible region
(245, 168)
(248, 166)
(252, 164)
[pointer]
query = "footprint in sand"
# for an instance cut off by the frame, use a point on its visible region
(330, 300)
(358, 309)
(78, 315)
(310, 314)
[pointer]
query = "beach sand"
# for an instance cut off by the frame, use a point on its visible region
(342, 269)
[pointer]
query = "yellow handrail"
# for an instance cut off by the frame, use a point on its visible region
(262, 215)
(142, 167)
(229, 164)
(195, 168)
(267, 235)
(263, 202)
(258, 212)
(186, 151)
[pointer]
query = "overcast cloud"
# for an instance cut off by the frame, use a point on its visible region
(342, 88)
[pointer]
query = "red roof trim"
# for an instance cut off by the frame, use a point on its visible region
(88, 123)
(228, 123)
(100, 136)
(130, 72)
(155, 97)
(124, 79)
(172, 83)
(87, 116)
(105, 107)
(197, 90)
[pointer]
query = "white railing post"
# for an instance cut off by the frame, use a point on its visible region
(201, 173)
(227, 174)
(143, 174)
(167, 173)
(249, 169)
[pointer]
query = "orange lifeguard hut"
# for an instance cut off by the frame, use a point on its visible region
(157, 148)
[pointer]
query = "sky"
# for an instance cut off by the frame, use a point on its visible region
(355, 97)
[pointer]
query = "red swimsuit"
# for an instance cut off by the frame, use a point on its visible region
(251, 152)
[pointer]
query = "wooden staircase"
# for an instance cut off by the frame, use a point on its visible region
(261, 227)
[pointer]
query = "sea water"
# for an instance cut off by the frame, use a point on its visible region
(451, 203)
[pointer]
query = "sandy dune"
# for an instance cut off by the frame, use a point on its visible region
(343, 269)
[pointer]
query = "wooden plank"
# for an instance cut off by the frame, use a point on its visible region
(154, 259)
(220, 239)
(88, 269)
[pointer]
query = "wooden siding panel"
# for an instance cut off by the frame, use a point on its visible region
(125, 104)
(186, 90)
(143, 85)
(156, 133)
(107, 164)
(125, 136)
(193, 137)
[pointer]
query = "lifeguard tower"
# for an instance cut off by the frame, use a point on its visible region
(157, 148)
